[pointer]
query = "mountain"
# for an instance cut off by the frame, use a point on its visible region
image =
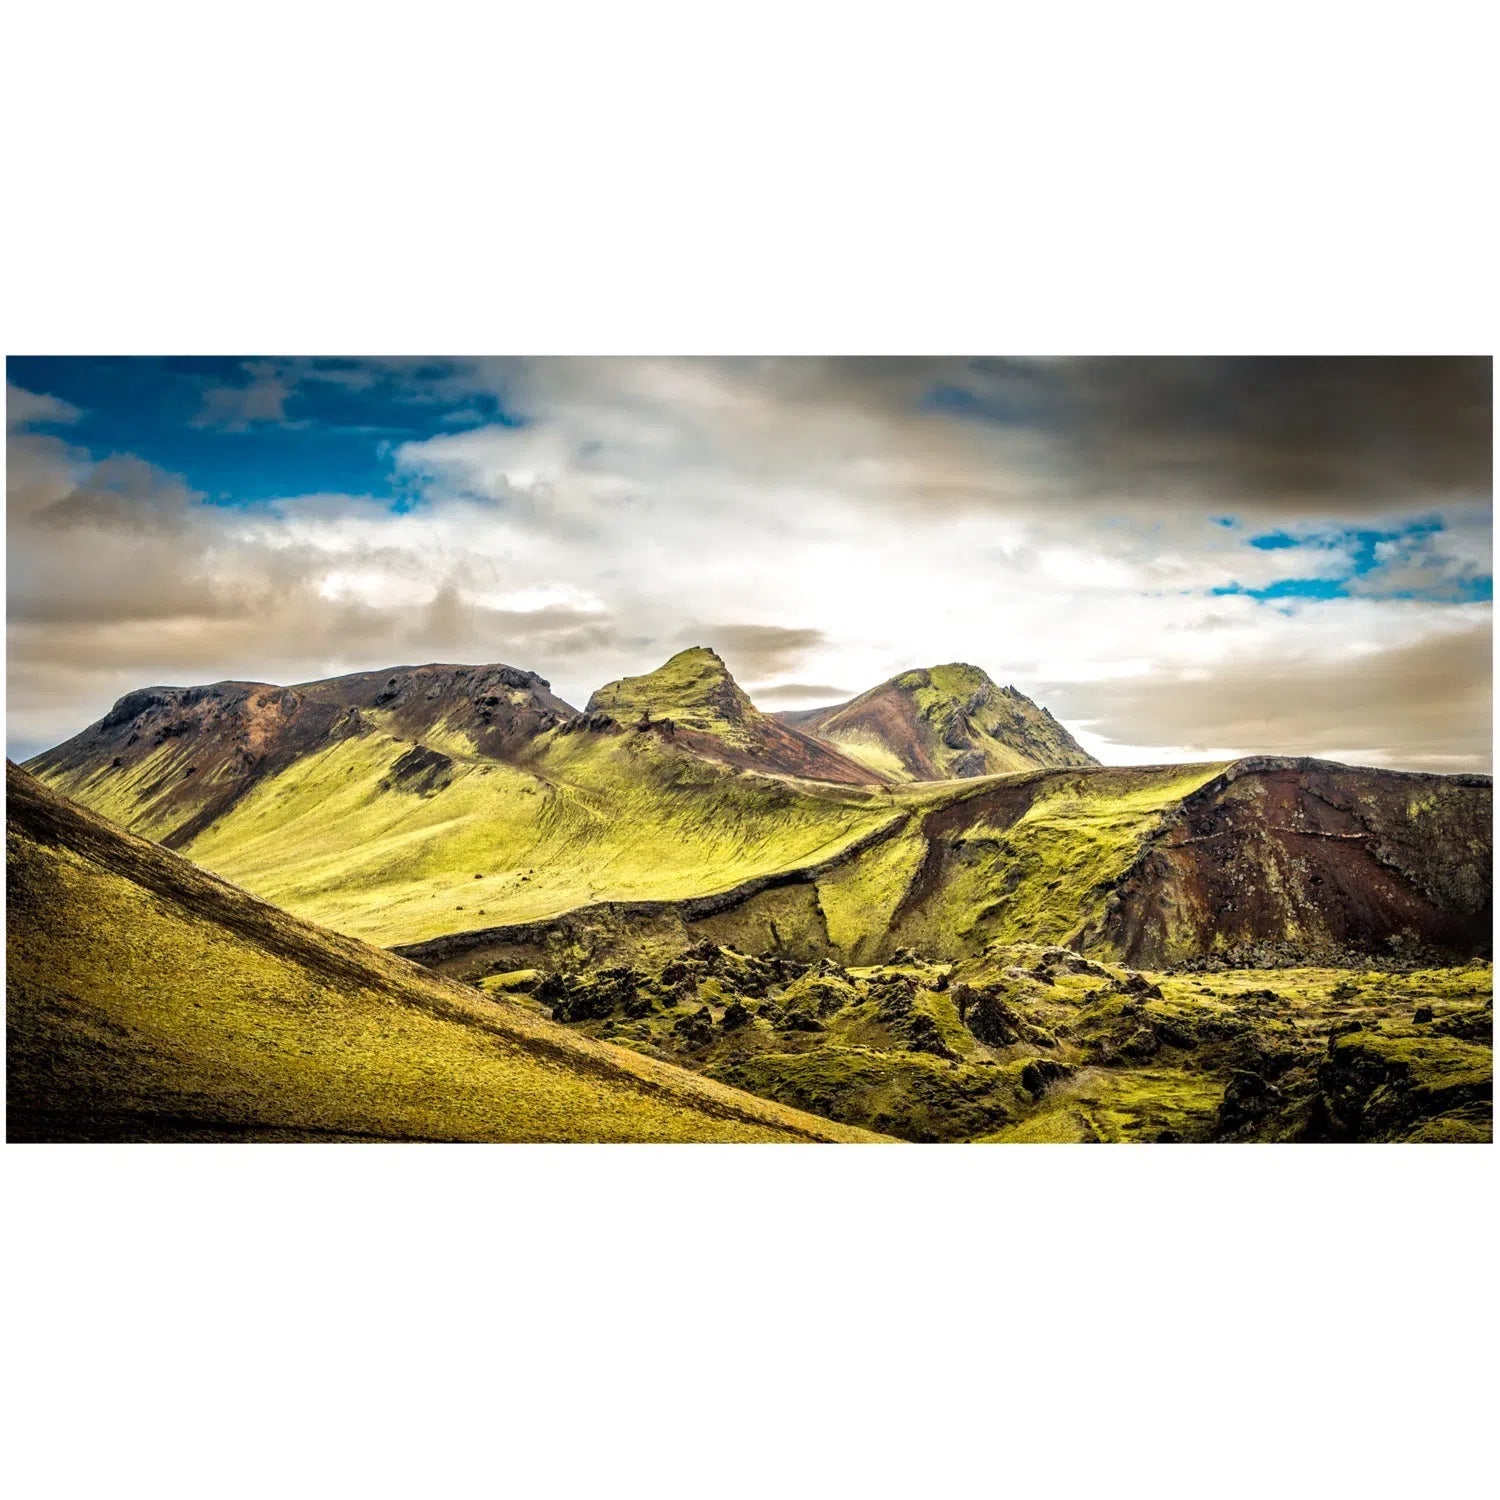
(1271, 948)
(402, 804)
(234, 735)
(147, 1000)
(693, 699)
(941, 722)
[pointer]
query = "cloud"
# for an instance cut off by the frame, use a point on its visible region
(236, 408)
(816, 522)
(1317, 434)
(1298, 437)
(1422, 703)
(809, 694)
(25, 408)
(123, 494)
(1446, 561)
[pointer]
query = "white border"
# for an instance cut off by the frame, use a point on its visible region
(1152, 178)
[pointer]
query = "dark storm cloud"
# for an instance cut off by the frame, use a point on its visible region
(1326, 434)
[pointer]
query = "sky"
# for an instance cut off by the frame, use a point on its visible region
(1183, 558)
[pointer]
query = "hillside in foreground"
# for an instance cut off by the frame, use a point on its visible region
(147, 1000)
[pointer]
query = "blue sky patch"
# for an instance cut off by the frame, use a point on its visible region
(332, 428)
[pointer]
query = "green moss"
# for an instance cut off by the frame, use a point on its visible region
(1428, 1059)
(916, 1097)
(693, 689)
(1452, 1130)
(1122, 1106)
(1059, 858)
(787, 917)
(869, 750)
(859, 899)
(133, 795)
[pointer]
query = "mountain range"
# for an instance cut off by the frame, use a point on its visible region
(937, 835)
(420, 803)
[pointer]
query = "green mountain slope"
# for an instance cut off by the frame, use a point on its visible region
(942, 722)
(591, 815)
(147, 1000)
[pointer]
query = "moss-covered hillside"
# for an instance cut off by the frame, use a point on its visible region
(146, 1000)
(1106, 861)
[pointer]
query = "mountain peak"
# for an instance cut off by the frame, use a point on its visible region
(952, 720)
(954, 679)
(693, 689)
(693, 697)
(697, 652)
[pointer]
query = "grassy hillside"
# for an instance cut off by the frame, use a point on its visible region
(949, 869)
(148, 1001)
(624, 818)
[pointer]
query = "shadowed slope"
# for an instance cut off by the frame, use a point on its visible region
(147, 1000)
